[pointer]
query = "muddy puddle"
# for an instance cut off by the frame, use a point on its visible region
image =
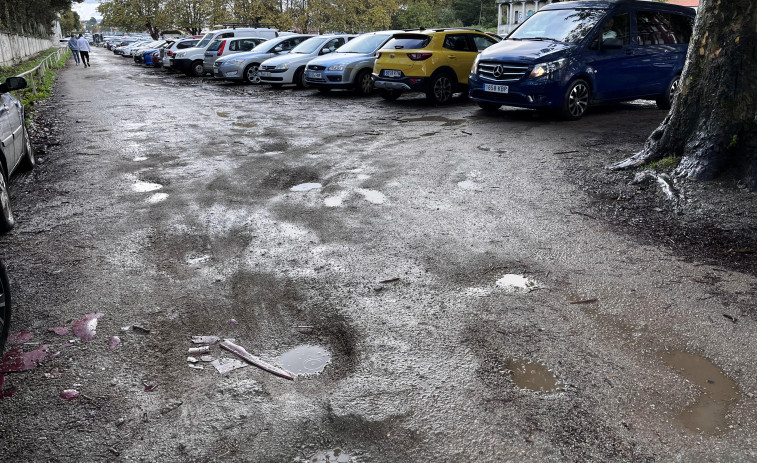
(515, 283)
(306, 187)
(532, 376)
(718, 393)
(330, 456)
(305, 360)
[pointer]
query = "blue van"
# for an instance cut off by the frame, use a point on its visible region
(570, 55)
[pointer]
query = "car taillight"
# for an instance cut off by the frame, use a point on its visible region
(170, 53)
(419, 56)
(220, 50)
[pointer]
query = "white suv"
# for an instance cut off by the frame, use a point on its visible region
(225, 47)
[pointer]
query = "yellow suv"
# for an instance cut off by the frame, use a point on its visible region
(434, 61)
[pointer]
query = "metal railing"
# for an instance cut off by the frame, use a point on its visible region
(38, 73)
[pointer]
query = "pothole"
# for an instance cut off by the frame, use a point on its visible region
(144, 187)
(707, 415)
(335, 200)
(306, 359)
(516, 283)
(306, 187)
(532, 376)
(157, 198)
(469, 185)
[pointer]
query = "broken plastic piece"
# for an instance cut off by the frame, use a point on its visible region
(305, 329)
(150, 387)
(70, 394)
(226, 365)
(199, 350)
(15, 339)
(234, 321)
(60, 330)
(85, 328)
(192, 360)
(205, 339)
(196, 367)
(16, 360)
(247, 357)
(390, 280)
(207, 358)
(140, 329)
(114, 342)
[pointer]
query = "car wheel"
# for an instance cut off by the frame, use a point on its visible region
(29, 160)
(5, 307)
(389, 95)
(7, 221)
(576, 100)
(363, 83)
(441, 88)
(251, 75)
(299, 78)
(666, 101)
(324, 90)
(486, 106)
(197, 69)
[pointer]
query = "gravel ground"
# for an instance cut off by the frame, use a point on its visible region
(429, 252)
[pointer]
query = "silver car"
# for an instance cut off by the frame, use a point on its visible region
(244, 66)
(15, 146)
(228, 46)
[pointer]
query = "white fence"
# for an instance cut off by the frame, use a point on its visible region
(14, 48)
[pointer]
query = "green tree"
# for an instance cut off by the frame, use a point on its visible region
(136, 15)
(32, 16)
(190, 15)
(476, 13)
(91, 24)
(70, 22)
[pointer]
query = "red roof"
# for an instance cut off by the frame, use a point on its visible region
(691, 3)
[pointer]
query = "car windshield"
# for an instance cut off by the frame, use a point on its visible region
(558, 25)
(266, 46)
(364, 44)
(205, 40)
(215, 45)
(309, 46)
(408, 41)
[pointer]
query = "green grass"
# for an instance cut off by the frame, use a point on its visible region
(44, 87)
(665, 164)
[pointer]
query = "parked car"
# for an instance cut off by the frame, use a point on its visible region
(436, 62)
(181, 44)
(5, 306)
(190, 61)
(139, 52)
(350, 67)
(570, 55)
(125, 50)
(230, 46)
(15, 145)
(290, 68)
(244, 66)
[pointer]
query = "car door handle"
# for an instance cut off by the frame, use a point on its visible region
(452, 57)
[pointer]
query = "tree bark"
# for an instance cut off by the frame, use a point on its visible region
(712, 124)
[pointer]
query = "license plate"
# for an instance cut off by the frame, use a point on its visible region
(496, 88)
(392, 73)
(315, 75)
(265, 74)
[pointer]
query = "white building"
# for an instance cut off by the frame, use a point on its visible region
(510, 13)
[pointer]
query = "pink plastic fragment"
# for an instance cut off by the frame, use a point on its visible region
(52, 356)
(85, 328)
(68, 344)
(114, 342)
(150, 387)
(16, 360)
(70, 394)
(205, 339)
(234, 321)
(15, 339)
(60, 330)
(9, 392)
(240, 352)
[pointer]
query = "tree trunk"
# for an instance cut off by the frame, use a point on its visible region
(713, 122)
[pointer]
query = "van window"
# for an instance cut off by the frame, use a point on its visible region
(662, 28)
(618, 27)
(559, 25)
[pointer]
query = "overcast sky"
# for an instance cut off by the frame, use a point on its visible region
(87, 9)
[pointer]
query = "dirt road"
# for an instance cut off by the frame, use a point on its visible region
(445, 281)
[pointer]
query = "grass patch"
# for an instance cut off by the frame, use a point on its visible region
(665, 164)
(44, 86)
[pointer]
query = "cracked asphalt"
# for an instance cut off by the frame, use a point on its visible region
(381, 232)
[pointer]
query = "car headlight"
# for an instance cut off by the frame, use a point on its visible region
(232, 61)
(336, 67)
(283, 66)
(474, 68)
(543, 69)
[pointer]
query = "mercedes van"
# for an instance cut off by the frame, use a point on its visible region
(570, 55)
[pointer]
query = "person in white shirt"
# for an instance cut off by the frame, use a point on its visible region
(83, 50)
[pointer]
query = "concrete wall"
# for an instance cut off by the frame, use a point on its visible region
(16, 48)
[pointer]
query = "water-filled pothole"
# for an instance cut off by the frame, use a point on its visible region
(305, 359)
(144, 187)
(330, 456)
(533, 376)
(707, 415)
(513, 283)
(306, 187)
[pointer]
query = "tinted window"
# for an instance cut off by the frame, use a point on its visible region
(662, 28)
(408, 41)
(559, 25)
(187, 44)
(247, 44)
(457, 42)
(215, 45)
(226, 35)
(617, 27)
(482, 42)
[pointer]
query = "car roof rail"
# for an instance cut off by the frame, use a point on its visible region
(251, 25)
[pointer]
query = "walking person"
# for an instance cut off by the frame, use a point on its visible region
(83, 50)
(73, 44)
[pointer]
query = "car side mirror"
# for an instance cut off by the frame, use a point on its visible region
(612, 44)
(325, 51)
(278, 50)
(13, 83)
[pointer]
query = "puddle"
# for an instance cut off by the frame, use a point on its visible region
(707, 415)
(140, 158)
(336, 200)
(157, 198)
(532, 376)
(372, 196)
(447, 121)
(247, 125)
(469, 185)
(144, 187)
(306, 187)
(513, 283)
(330, 456)
(305, 360)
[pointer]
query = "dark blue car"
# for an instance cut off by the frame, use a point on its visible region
(570, 55)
